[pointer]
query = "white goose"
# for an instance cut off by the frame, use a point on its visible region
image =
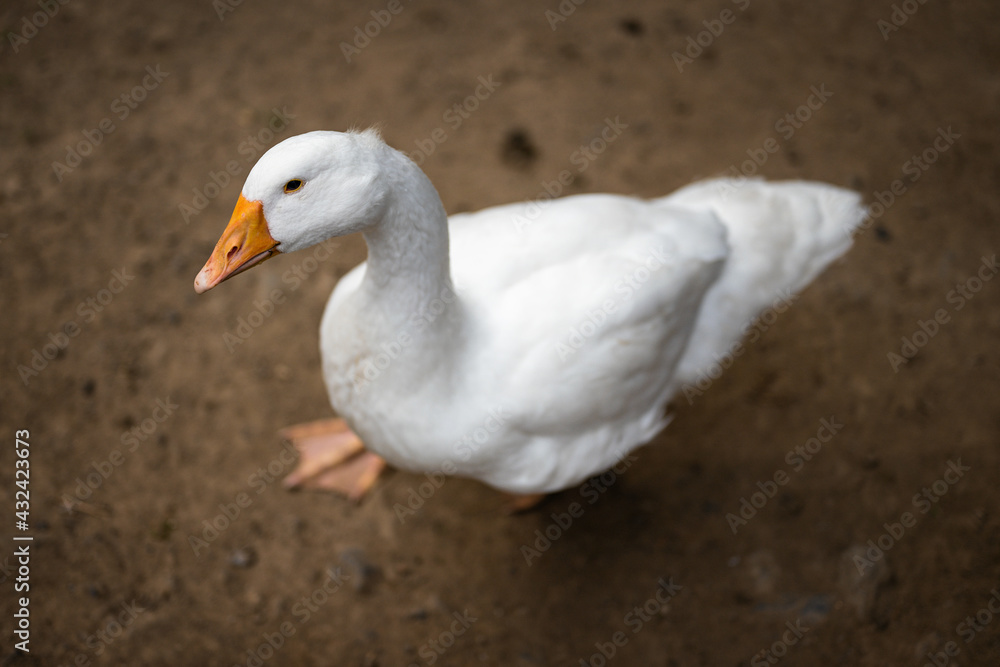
(528, 346)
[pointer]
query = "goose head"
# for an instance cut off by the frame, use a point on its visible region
(304, 190)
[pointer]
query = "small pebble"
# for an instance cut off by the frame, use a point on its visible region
(518, 149)
(417, 614)
(244, 557)
(763, 571)
(361, 570)
(632, 27)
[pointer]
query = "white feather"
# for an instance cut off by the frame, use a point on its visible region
(532, 345)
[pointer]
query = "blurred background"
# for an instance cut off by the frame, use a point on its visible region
(162, 535)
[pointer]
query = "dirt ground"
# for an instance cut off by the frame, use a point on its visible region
(830, 497)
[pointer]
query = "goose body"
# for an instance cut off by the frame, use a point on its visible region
(530, 345)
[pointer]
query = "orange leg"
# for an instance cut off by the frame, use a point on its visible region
(524, 502)
(331, 458)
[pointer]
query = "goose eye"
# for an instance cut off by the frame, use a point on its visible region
(293, 185)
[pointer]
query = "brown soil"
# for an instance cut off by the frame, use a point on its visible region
(141, 336)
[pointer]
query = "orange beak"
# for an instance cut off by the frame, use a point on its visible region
(246, 242)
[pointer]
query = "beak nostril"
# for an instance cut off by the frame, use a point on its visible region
(232, 251)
